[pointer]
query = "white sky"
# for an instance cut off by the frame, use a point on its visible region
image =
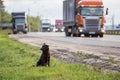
(51, 9)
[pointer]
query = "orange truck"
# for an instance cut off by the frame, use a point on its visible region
(83, 17)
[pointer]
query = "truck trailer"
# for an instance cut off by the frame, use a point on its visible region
(19, 22)
(83, 17)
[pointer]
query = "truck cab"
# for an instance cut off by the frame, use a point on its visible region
(19, 22)
(90, 17)
(46, 25)
(83, 17)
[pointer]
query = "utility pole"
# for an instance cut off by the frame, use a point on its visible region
(38, 18)
(113, 18)
(29, 29)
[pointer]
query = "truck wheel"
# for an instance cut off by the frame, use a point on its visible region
(87, 35)
(79, 35)
(67, 34)
(25, 32)
(74, 35)
(14, 32)
(95, 35)
(101, 35)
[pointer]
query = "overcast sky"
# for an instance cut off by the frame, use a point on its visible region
(51, 9)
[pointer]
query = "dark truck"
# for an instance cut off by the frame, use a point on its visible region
(19, 22)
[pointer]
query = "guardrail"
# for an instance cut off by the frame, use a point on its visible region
(5, 25)
(113, 32)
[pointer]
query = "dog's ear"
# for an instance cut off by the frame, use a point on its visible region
(44, 44)
(44, 47)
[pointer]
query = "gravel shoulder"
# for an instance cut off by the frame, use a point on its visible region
(106, 58)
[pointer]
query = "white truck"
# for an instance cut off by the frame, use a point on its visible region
(46, 25)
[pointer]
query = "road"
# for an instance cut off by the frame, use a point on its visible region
(106, 41)
(99, 51)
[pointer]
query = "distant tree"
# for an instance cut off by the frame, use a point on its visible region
(1, 3)
(1, 10)
(1, 6)
(4, 15)
(34, 23)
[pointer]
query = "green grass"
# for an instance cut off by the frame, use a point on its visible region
(17, 62)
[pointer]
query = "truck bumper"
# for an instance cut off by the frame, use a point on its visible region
(99, 32)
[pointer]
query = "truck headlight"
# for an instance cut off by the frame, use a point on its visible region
(62, 29)
(48, 29)
(56, 29)
(81, 30)
(103, 30)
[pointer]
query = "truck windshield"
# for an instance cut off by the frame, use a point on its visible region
(45, 25)
(91, 11)
(19, 20)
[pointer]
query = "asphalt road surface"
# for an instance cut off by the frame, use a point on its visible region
(112, 41)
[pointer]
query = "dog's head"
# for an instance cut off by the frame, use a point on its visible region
(45, 47)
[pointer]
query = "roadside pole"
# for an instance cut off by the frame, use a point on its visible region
(113, 16)
(29, 30)
(38, 18)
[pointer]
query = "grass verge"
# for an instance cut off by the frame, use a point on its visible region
(17, 62)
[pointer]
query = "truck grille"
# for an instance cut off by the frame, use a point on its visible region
(92, 25)
(20, 27)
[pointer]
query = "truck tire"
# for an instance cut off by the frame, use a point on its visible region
(74, 35)
(87, 35)
(79, 35)
(14, 32)
(67, 34)
(101, 35)
(25, 32)
(95, 35)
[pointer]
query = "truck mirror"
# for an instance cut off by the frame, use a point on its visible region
(107, 11)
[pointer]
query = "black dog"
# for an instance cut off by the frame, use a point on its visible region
(45, 57)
